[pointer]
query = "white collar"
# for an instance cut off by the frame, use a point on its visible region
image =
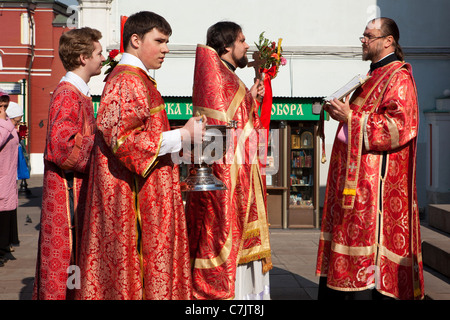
(76, 80)
(134, 61)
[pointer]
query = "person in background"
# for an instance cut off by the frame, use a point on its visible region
(9, 142)
(70, 137)
(15, 113)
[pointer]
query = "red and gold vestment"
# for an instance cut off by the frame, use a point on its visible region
(370, 227)
(135, 243)
(227, 227)
(70, 137)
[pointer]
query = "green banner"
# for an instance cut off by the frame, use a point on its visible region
(294, 109)
(180, 108)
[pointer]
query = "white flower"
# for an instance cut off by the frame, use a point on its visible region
(118, 57)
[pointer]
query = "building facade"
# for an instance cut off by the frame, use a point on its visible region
(29, 64)
(321, 43)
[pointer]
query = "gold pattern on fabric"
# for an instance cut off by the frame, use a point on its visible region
(378, 101)
(360, 102)
(252, 253)
(354, 160)
(73, 157)
(383, 228)
(122, 140)
(155, 160)
(220, 95)
(237, 100)
(209, 263)
(221, 115)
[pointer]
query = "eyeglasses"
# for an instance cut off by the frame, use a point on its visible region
(367, 39)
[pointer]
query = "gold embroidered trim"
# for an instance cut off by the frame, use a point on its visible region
(262, 251)
(69, 222)
(251, 234)
(350, 185)
(157, 109)
(222, 115)
(393, 131)
(219, 259)
(349, 192)
(120, 142)
(256, 256)
(210, 113)
(139, 239)
(366, 251)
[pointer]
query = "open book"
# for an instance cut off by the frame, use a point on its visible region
(357, 81)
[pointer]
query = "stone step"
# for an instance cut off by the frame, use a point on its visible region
(436, 249)
(437, 287)
(439, 217)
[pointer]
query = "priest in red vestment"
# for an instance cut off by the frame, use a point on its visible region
(229, 228)
(135, 243)
(370, 241)
(70, 137)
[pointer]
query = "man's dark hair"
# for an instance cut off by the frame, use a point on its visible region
(222, 35)
(390, 28)
(142, 22)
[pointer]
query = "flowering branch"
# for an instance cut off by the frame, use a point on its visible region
(270, 54)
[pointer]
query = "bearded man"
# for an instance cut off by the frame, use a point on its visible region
(370, 239)
(228, 230)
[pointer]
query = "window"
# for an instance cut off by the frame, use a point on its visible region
(27, 31)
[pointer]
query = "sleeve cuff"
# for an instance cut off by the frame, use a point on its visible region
(171, 142)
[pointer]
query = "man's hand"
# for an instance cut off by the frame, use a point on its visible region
(194, 129)
(257, 90)
(338, 110)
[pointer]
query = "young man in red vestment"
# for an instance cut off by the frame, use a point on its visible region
(70, 137)
(370, 241)
(228, 230)
(135, 243)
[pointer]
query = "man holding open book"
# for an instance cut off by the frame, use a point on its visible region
(370, 240)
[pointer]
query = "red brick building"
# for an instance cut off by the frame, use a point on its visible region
(30, 67)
